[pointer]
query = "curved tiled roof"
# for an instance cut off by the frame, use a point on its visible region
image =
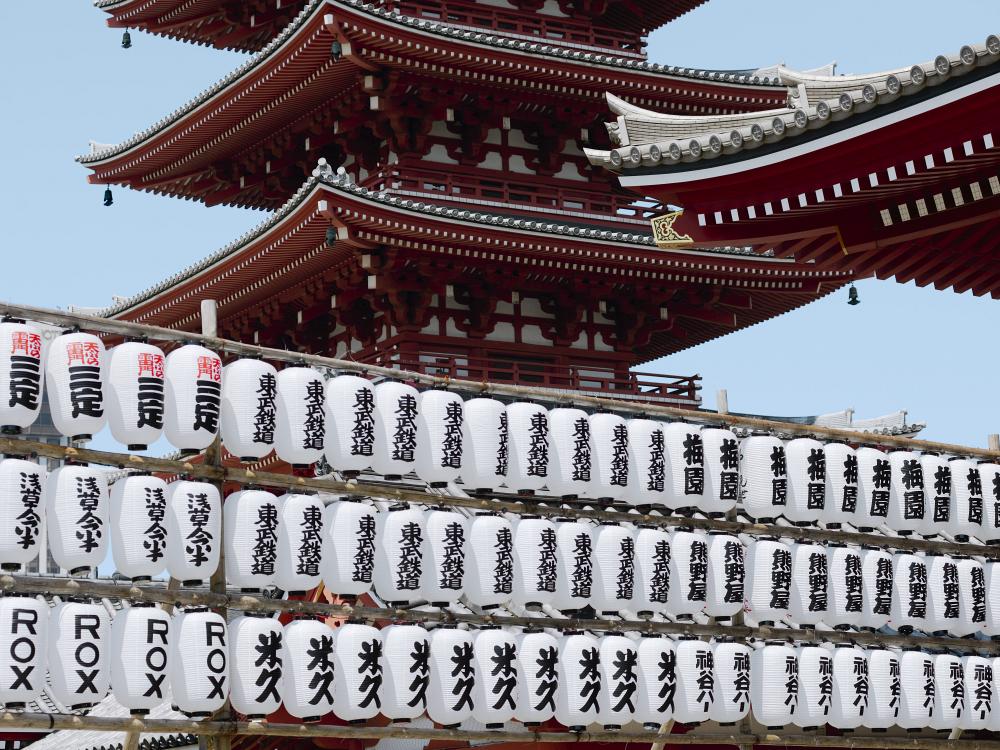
(655, 140)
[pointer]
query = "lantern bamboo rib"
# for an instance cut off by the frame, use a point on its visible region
(124, 328)
(209, 728)
(535, 506)
(86, 587)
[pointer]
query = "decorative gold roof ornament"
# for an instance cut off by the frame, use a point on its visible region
(664, 233)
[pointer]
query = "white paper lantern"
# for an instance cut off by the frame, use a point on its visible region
(22, 513)
(768, 580)
(300, 542)
(347, 559)
(79, 674)
(808, 600)
(732, 683)
(139, 662)
(722, 471)
(806, 481)
(684, 470)
(846, 600)
(909, 593)
(405, 671)
(193, 394)
(917, 689)
(350, 419)
(943, 600)
(357, 672)
(139, 526)
(726, 573)
(307, 669)
(614, 569)
(991, 580)
(452, 677)
(763, 477)
(535, 562)
(993, 722)
(971, 598)
(537, 677)
(949, 686)
(399, 555)
(579, 681)
(876, 582)
(255, 663)
(815, 695)
(609, 437)
(135, 394)
(199, 662)
(575, 570)
(396, 406)
(23, 629)
(966, 510)
(874, 483)
(76, 517)
(495, 693)
(647, 462)
(695, 681)
(884, 689)
(619, 680)
(656, 696)
(527, 447)
(841, 486)
(194, 528)
(850, 687)
(248, 408)
(484, 440)
(250, 536)
(440, 444)
(445, 544)
(979, 696)
(652, 571)
(907, 501)
(489, 575)
(937, 493)
(571, 460)
(688, 574)
(300, 416)
(74, 376)
(774, 684)
(21, 381)
(989, 477)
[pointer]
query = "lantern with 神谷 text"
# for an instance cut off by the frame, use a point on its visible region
(774, 684)
(732, 682)
(695, 681)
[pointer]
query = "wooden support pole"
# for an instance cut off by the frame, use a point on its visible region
(993, 441)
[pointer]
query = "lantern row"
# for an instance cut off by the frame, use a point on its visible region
(197, 661)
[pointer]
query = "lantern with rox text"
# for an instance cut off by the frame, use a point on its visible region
(300, 416)
(943, 605)
(764, 476)
(194, 530)
(23, 629)
(937, 493)
(535, 562)
(452, 677)
(22, 518)
(537, 677)
(575, 571)
(347, 556)
(808, 600)
(399, 555)
(484, 443)
(850, 687)
(445, 544)
(579, 681)
(527, 447)
(248, 408)
(774, 684)
(909, 593)
(841, 485)
(874, 483)
(991, 582)
(815, 695)
(726, 571)
(79, 673)
(768, 580)
(883, 689)
(138, 657)
(357, 672)
(907, 501)
(495, 692)
(917, 689)
(684, 470)
(250, 534)
(647, 462)
(979, 698)
(255, 664)
(971, 597)
(654, 703)
(350, 424)
(806, 481)
(405, 671)
(489, 572)
(440, 448)
(199, 662)
(614, 568)
(876, 581)
(395, 429)
(139, 526)
(652, 571)
(949, 687)
(609, 438)
(21, 381)
(300, 542)
(193, 393)
(846, 600)
(74, 376)
(989, 476)
(722, 471)
(695, 681)
(571, 469)
(135, 394)
(966, 510)
(732, 682)
(307, 669)
(619, 661)
(76, 515)
(688, 574)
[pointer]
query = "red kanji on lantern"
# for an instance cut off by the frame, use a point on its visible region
(29, 343)
(151, 363)
(85, 353)
(210, 366)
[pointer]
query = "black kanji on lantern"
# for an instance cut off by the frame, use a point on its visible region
(25, 375)
(881, 481)
(626, 569)
(853, 583)
(504, 671)
(548, 680)
(694, 464)
(929, 689)
(503, 562)
(779, 476)
(729, 460)
(781, 578)
(319, 652)
(463, 670)
(404, 436)
(860, 669)
(89, 526)
(310, 542)
(619, 456)
(364, 550)
(982, 692)
(363, 424)
(502, 447)
(421, 671)
(314, 426)
(659, 581)
(656, 470)
(410, 564)
(268, 661)
(208, 394)
(942, 494)
(704, 663)
(265, 415)
(581, 450)
(452, 568)
(741, 679)
(451, 443)
(547, 571)
(791, 682)
(895, 686)
(667, 679)
(198, 542)
(582, 577)
(86, 392)
(978, 595)
(818, 579)
(265, 546)
(734, 570)
(825, 669)
(149, 392)
(949, 586)
(538, 451)
(155, 535)
(698, 571)
(917, 586)
(957, 675)
(590, 662)
(974, 483)
(28, 521)
(625, 679)
(370, 665)
(883, 587)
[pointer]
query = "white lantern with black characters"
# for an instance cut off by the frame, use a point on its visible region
(357, 672)
(909, 593)
(255, 663)
(806, 481)
(966, 509)
(979, 697)
(937, 493)
(614, 568)
(22, 515)
(199, 662)
(445, 543)
(841, 485)
(495, 692)
(722, 471)
(489, 573)
(537, 677)
(140, 640)
(943, 605)
(695, 681)
(350, 420)
(647, 462)
(815, 695)
(79, 673)
(991, 580)
(917, 690)
(300, 416)
(396, 406)
(74, 376)
(21, 375)
(726, 575)
(135, 394)
(575, 565)
(846, 599)
(989, 477)
(949, 686)
(652, 571)
(193, 394)
(440, 444)
(808, 601)
(763, 477)
(347, 555)
(307, 669)
(76, 517)
(657, 693)
(993, 722)
(300, 542)
(139, 526)
(850, 687)
(876, 581)
(399, 555)
(452, 677)
(883, 689)
(571, 459)
(774, 684)
(874, 487)
(688, 574)
(579, 681)
(250, 534)
(971, 597)
(609, 437)
(907, 500)
(528, 447)
(732, 683)
(684, 472)
(535, 562)
(619, 680)
(23, 636)
(484, 442)
(405, 671)
(248, 417)
(769, 580)
(194, 528)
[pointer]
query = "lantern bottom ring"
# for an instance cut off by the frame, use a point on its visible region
(80, 706)
(802, 524)
(139, 712)
(437, 485)
(651, 726)
(578, 728)
(82, 570)
(533, 606)
(644, 614)
(494, 726)
(526, 493)
(16, 706)
(137, 447)
(612, 727)
(723, 618)
(140, 579)
(74, 438)
(10, 566)
(392, 477)
(256, 717)
(192, 582)
(10, 429)
(833, 526)
(197, 714)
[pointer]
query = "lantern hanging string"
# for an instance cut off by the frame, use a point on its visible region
(126, 329)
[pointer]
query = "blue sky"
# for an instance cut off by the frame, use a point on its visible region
(67, 80)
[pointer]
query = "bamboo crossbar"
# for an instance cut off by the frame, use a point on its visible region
(125, 328)
(541, 505)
